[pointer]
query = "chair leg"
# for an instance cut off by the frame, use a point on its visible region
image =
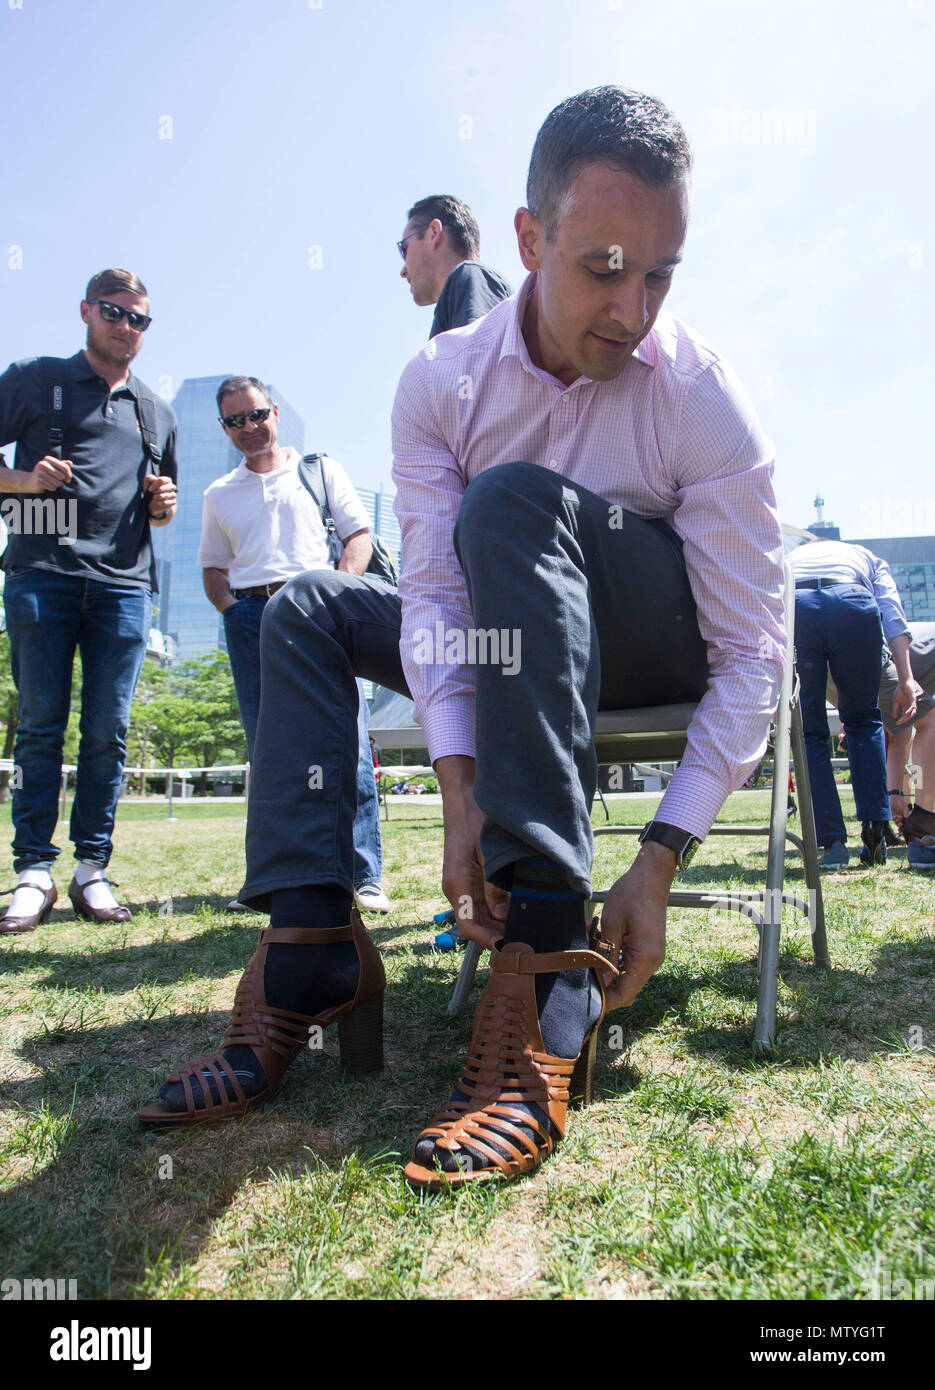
(809, 840)
(465, 978)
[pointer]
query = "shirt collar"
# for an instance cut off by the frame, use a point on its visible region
(514, 344)
(81, 370)
(290, 464)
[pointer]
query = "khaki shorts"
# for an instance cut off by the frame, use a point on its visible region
(922, 663)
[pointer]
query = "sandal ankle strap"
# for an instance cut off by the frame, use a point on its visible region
(305, 936)
(547, 962)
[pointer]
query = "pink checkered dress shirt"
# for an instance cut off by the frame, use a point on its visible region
(674, 436)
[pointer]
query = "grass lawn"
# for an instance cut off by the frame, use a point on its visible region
(700, 1171)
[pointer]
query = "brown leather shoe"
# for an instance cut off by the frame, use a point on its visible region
(507, 1062)
(276, 1036)
(96, 914)
(13, 925)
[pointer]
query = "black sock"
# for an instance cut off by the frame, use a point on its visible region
(297, 978)
(548, 915)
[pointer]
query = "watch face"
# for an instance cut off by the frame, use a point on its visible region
(689, 853)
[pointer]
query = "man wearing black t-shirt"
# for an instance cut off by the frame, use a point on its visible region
(95, 468)
(439, 247)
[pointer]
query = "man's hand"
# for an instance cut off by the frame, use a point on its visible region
(162, 494)
(480, 908)
(899, 808)
(634, 921)
(904, 700)
(48, 474)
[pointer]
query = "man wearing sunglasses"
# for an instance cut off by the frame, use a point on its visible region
(259, 528)
(95, 468)
(440, 246)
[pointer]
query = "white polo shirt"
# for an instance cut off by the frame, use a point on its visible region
(265, 527)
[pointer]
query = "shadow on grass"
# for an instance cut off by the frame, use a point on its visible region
(820, 1012)
(211, 952)
(95, 1204)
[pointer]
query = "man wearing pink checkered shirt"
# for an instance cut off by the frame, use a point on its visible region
(588, 522)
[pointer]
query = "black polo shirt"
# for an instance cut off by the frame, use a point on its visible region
(470, 291)
(103, 507)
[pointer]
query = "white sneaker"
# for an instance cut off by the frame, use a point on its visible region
(235, 905)
(370, 897)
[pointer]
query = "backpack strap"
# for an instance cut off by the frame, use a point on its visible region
(312, 475)
(53, 376)
(145, 403)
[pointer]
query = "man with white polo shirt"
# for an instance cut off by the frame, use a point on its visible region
(260, 526)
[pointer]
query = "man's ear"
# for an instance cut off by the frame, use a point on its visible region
(436, 232)
(85, 311)
(529, 236)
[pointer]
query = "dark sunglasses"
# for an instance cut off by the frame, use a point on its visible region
(236, 422)
(401, 245)
(112, 313)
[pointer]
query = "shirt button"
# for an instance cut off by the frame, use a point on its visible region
(553, 463)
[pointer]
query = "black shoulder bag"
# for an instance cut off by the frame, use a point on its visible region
(313, 479)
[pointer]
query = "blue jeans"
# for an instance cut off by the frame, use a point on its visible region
(242, 631)
(840, 628)
(49, 616)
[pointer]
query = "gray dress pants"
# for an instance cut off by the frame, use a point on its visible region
(592, 609)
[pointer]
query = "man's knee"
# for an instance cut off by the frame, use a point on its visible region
(488, 498)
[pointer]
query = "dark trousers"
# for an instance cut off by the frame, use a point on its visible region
(839, 628)
(597, 613)
(49, 617)
(242, 624)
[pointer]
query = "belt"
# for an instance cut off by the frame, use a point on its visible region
(259, 590)
(823, 582)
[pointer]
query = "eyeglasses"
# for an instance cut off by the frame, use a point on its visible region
(113, 313)
(236, 422)
(401, 245)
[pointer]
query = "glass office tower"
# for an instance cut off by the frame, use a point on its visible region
(205, 453)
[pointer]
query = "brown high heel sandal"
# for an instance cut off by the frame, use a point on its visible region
(276, 1035)
(506, 1063)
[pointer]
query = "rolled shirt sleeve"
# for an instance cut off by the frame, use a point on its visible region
(732, 541)
(887, 596)
(347, 509)
(429, 489)
(215, 550)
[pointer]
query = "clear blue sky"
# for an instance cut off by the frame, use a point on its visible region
(809, 261)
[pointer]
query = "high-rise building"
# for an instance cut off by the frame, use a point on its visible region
(205, 453)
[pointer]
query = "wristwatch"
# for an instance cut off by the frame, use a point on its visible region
(681, 842)
(159, 516)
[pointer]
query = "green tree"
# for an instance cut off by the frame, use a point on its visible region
(188, 714)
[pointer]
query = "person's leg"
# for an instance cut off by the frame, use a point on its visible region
(112, 639)
(242, 634)
(42, 618)
(569, 597)
(855, 657)
(368, 844)
(811, 656)
(923, 761)
(318, 633)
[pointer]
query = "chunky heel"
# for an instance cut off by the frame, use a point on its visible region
(277, 1035)
(360, 1035)
(581, 1085)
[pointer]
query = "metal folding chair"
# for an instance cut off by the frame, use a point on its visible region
(660, 733)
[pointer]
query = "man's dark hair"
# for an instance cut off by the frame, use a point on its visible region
(233, 384)
(457, 219)
(107, 282)
(606, 125)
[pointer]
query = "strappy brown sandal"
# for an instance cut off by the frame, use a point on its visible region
(276, 1035)
(506, 1063)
